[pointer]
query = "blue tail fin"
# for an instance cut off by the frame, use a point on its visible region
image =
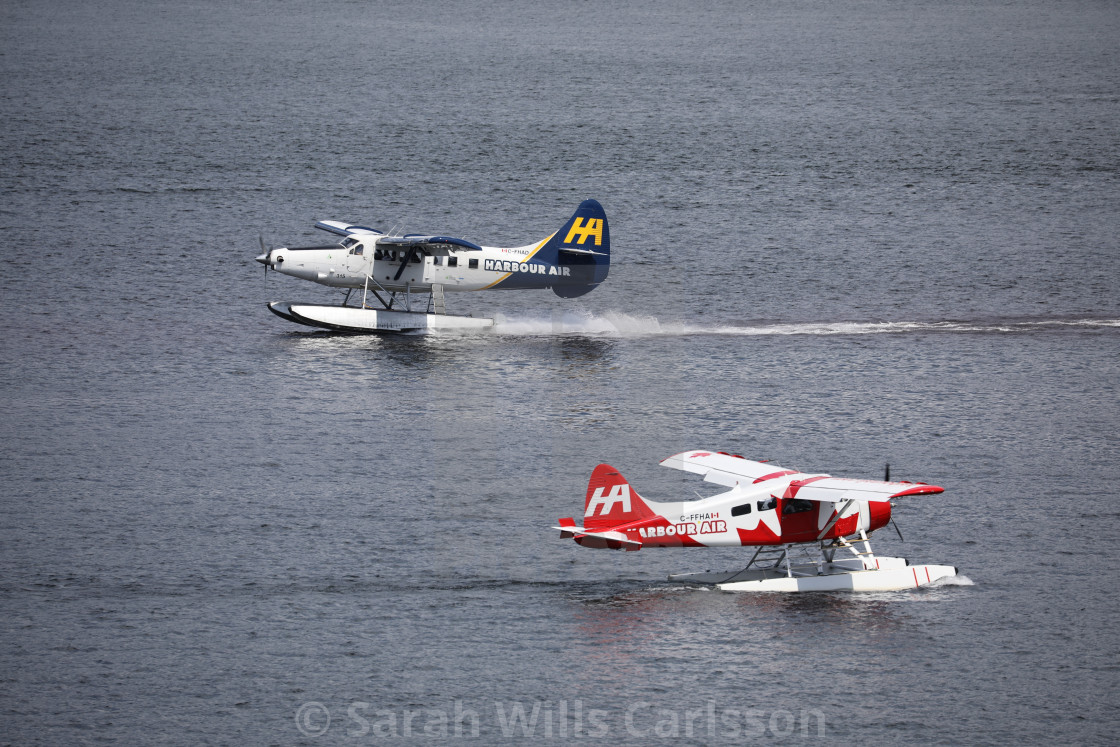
(583, 249)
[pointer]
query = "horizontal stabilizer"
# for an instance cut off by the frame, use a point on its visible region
(584, 252)
(567, 528)
(602, 540)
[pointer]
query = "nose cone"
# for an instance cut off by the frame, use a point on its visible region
(880, 514)
(263, 259)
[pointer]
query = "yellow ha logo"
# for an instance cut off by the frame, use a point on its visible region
(584, 228)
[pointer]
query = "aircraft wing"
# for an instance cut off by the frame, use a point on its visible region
(345, 229)
(725, 469)
(435, 245)
(730, 470)
(827, 489)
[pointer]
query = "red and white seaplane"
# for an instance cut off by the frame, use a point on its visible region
(824, 521)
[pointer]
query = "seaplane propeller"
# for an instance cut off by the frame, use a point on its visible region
(266, 254)
(887, 478)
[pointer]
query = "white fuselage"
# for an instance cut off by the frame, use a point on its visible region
(358, 260)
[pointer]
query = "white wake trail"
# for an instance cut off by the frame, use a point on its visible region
(618, 324)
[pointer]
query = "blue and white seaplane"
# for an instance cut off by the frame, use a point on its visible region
(387, 276)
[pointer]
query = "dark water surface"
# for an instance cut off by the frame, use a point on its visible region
(844, 234)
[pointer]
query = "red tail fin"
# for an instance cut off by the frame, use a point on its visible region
(611, 501)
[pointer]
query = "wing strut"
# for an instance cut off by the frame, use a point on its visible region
(835, 518)
(404, 263)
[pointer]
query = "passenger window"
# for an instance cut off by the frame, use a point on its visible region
(452, 261)
(437, 261)
(767, 504)
(473, 264)
(740, 510)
